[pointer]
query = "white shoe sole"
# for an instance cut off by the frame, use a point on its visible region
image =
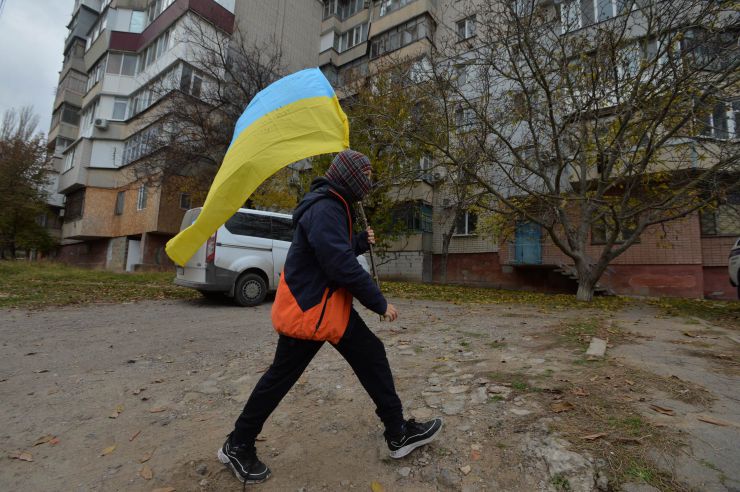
(400, 453)
(226, 461)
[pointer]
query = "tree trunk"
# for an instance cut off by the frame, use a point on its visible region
(585, 291)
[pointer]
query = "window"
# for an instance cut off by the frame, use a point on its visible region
(61, 144)
(466, 28)
(141, 144)
(343, 9)
(721, 121)
(69, 160)
(723, 219)
(122, 64)
(95, 75)
(415, 217)
(185, 201)
(401, 36)
(465, 118)
(141, 199)
(601, 230)
(120, 199)
(74, 204)
(466, 224)
(155, 49)
(575, 14)
(67, 114)
(282, 229)
(351, 38)
(388, 6)
(190, 81)
(120, 106)
(138, 21)
(570, 18)
(249, 225)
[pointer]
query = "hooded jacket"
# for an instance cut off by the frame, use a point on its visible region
(321, 274)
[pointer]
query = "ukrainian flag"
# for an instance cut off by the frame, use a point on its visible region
(296, 117)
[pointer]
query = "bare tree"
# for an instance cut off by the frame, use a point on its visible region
(609, 120)
(199, 104)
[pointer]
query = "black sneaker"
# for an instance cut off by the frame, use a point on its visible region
(415, 434)
(243, 462)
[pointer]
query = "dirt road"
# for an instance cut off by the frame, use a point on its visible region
(140, 396)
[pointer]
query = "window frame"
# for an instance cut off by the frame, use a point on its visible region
(467, 218)
(141, 197)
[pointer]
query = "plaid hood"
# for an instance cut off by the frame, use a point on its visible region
(348, 170)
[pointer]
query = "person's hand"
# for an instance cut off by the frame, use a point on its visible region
(390, 313)
(370, 235)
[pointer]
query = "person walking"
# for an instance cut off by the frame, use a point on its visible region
(313, 305)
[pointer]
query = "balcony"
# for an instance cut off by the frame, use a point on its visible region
(65, 130)
(401, 15)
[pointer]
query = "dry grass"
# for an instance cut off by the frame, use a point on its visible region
(605, 397)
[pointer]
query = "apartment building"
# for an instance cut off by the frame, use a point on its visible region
(686, 257)
(116, 52)
(99, 128)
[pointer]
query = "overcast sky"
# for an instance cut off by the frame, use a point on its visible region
(32, 36)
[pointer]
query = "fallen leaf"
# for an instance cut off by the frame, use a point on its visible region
(157, 409)
(465, 469)
(475, 455)
(54, 441)
(138, 391)
(631, 383)
(41, 371)
(689, 334)
(663, 410)
(119, 408)
(21, 455)
(108, 450)
(43, 439)
(376, 487)
(580, 392)
(147, 456)
(715, 421)
(593, 437)
(146, 472)
(561, 406)
(164, 489)
(134, 435)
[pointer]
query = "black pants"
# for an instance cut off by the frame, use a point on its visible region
(359, 346)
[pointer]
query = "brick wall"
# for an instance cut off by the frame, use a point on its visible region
(486, 270)
(716, 249)
(91, 254)
(717, 284)
(656, 280)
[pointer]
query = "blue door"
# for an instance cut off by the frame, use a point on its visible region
(527, 244)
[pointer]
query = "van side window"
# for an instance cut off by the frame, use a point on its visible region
(282, 229)
(249, 225)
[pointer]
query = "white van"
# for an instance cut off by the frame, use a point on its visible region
(243, 259)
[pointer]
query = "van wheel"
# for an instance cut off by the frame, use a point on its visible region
(250, 290)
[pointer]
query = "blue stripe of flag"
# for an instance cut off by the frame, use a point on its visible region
(300, 85)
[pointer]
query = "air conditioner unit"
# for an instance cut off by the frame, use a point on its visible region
(101, 123)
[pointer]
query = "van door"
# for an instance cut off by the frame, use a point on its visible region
(244, 234)
(195, 269)
(282, 235)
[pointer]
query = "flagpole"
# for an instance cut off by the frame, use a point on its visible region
(363, 218)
